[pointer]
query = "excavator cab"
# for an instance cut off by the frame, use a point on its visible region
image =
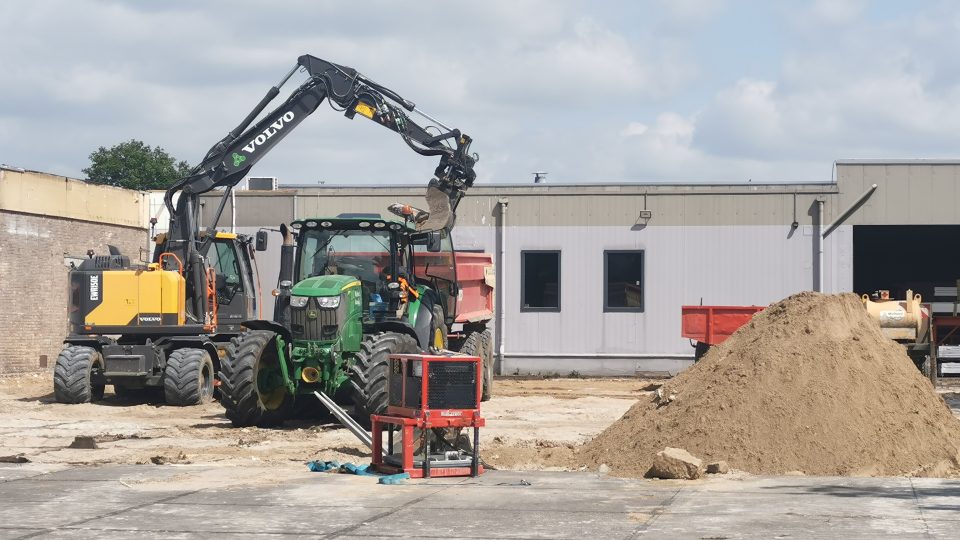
(237, 292)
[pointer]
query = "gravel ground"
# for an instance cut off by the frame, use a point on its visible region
(532, 424)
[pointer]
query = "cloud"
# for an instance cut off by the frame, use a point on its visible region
(180, 75)
(692, 10)
(655, 90)
(877, 88)
(838, 11)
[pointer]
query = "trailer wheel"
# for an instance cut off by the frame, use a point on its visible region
(252, 389)
(479, 344)
(73, 374)
(700, 350)
(188, 377)
(368, 373)
(227, 351)
(438, 329)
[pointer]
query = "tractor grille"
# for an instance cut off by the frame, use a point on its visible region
(453, 385)
(312, 323)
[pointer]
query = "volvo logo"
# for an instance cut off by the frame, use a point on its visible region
(271, 130)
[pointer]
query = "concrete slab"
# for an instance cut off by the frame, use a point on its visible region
(194, 501)
(10, 471)
(684, 526)
(240, 518)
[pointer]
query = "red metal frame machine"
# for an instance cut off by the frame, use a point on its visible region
(429, 393)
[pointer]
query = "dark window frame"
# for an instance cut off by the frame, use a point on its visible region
(606, 281)
(523, 280)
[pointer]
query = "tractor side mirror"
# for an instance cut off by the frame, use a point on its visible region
(261, 240)
(433, 242)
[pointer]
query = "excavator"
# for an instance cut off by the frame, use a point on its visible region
(176, 322)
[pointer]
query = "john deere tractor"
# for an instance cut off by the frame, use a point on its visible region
(352, 291)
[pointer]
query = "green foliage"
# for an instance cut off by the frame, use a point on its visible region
(135, 165)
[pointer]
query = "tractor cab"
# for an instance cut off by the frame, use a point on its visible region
(375, 253)
(377, 274)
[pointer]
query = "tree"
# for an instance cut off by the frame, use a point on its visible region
(135, 165)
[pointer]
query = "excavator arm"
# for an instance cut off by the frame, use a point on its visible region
(231, 158)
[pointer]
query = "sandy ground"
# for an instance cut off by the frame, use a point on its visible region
(532, 424)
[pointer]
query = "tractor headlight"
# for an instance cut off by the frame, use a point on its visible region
(330, 302)
(299, 301)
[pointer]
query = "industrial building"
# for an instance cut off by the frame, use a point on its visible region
(591, 276)
(48, 222)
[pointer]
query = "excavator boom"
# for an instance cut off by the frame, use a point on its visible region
(231, 158)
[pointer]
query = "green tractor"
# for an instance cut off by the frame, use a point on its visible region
(352, 291)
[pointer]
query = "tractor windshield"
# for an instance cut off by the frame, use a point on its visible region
(365, 255)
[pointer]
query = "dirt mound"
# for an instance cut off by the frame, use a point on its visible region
(810, 384)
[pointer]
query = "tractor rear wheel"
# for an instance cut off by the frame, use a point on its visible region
(252, 388)
(479, 344)
(72, 376)
(368, 374)
(188, 377)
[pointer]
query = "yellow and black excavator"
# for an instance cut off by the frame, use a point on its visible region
(169, 323)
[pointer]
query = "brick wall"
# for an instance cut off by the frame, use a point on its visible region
(33, 277)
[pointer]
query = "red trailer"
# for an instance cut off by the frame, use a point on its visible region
(473, 302)
(712, 325)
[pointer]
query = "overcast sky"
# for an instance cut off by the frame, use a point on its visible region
(590, 91)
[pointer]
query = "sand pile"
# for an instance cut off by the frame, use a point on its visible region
(811, 385)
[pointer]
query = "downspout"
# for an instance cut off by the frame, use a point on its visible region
(501, 283)
(822, 234)
(233, 211)
(819, 236)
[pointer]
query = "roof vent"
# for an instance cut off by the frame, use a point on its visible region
(262, 183)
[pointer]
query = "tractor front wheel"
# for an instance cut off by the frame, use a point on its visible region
(252, 389)
(368, 374)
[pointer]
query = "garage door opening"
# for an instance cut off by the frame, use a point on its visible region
(901, 257)
(922, 258)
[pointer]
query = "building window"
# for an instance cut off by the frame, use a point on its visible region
(540, 281)
(623, 280)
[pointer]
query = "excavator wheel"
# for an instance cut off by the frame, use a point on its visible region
(479, 344)
(368, 374)
(72, 375)
(188, 377)
(251, 384)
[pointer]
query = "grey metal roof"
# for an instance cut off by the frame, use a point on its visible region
(899, 161)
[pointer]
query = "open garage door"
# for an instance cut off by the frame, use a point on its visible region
(923, 258)
(901, 257)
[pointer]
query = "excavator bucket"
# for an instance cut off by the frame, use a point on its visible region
(441, 213)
